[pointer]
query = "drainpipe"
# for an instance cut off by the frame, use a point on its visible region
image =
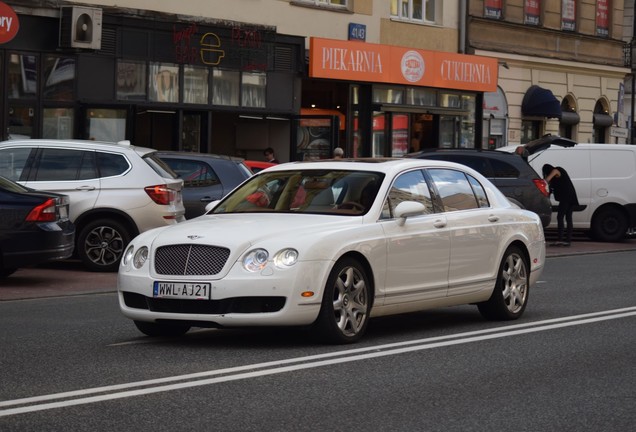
(462, 27)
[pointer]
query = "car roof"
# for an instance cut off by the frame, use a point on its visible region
(198, 155)
(123, 146)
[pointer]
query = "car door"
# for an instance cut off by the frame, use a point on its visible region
(67, 171)
(418, 250)
(473, 228)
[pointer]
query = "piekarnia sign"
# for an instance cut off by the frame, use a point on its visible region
(9, 24)
(361, 61)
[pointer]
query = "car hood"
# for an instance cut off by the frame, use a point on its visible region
(239, 231)
(541, 144)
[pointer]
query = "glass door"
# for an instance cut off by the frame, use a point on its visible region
(192, 132)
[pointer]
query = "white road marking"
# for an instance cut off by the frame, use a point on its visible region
(92, 395)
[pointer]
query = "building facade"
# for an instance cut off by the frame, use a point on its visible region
(237, 77)
(562, 68)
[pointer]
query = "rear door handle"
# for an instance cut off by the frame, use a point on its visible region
(493, 218)
(439, 224)
(206, 199)
(85, 188)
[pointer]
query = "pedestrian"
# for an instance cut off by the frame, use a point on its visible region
(563, 189)
(338, 153)
(269, 155)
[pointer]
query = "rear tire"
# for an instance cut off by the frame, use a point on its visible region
(510, 296)
(101, 244)
(346, 303)
(609, 225)
(162, 329)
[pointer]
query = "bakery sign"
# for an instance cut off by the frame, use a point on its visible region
(9, 24)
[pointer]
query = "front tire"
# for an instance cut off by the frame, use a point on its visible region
(162, 329)
(101, 244)
(346, 303)
(510, 296)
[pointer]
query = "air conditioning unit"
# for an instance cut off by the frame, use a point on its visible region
(80, 27)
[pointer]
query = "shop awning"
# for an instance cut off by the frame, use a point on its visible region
(540, 102)
(322, 112)
(570, 118)
(602, 120)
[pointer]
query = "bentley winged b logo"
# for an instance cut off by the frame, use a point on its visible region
(194, 237)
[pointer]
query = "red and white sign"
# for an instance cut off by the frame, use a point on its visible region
(9, 23)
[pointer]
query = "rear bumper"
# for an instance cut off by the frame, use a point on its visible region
(45, 242)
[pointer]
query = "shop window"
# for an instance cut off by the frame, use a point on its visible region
(21, 121)
(22, 75)
(59, 78)
(450, 100)
(225, 87)
(195, 85)
(421, 96)
(57, 123)
(414, 10)
(253, 89)
(530, 130)
(164, 82)
(389, 95)
(131, 80)
(106, 124)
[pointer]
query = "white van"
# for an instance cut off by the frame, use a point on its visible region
(604, 176)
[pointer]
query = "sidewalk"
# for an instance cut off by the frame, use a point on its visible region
(65, 278)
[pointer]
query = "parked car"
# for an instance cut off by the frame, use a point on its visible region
(116, 190)
(257, 166)
(511, 173)
(604, 176)
(34, 227)
(407, 235)
(206, 177)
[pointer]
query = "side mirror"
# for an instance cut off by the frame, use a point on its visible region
(407, 209)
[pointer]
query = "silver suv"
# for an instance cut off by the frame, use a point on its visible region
(116, 190)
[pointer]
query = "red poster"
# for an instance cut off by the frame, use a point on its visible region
(493, 9)
(532, 12)
(602, 17)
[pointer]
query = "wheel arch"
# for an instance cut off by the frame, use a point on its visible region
(367, 268)
(113, 214)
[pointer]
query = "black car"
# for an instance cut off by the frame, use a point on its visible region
(34, 227)
(206, 177)
(510, 172)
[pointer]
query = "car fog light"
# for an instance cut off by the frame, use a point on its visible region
(255, 260)
(286, 258)
(140, 257)
(128, 256)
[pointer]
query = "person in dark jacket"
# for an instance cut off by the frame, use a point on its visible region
(563, 189)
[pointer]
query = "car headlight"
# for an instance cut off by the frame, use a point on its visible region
(127, 256)
(255, 260)
(140, 257)
(286, 258)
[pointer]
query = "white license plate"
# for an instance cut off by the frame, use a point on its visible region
(182, 290)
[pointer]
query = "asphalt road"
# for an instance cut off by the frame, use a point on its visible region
(73, 363)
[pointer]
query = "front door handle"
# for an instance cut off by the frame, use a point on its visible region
(439, 224)
(493, 218)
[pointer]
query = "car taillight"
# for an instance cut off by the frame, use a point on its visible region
(45, 212)
(161, 194)
(542, 185)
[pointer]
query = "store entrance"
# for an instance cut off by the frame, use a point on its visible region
(398, 133)
(157, 129)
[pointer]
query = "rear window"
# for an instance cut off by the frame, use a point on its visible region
(159, 166)
(503, 169)
(193, 172)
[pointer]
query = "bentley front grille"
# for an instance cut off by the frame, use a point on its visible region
(190, 259)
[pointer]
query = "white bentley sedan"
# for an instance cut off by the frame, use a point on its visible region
(333, 243)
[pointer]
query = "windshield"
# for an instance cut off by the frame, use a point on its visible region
(334, 192)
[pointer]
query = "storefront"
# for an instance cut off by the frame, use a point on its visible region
(398, 100)
(108, 74)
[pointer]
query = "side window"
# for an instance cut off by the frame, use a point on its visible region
(479, 164)
(13, 162)
(480, 193)
(503, 169)
(454, 189)
(194, 173)
(58, 165)
(410, 186)
(111, 164)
